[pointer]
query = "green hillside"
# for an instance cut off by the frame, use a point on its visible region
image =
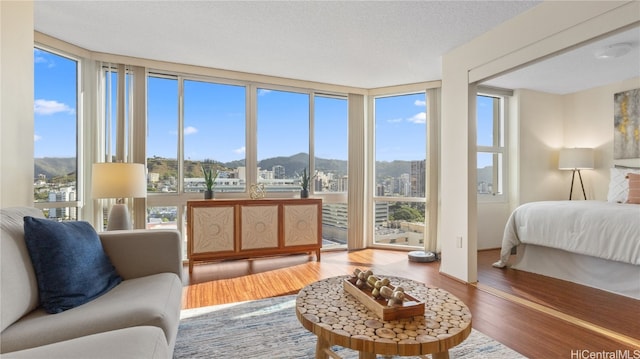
(53, 167)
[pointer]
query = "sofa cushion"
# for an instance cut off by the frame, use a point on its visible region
(70, 264)
(154, 300)
(129, 343)
(18, 283)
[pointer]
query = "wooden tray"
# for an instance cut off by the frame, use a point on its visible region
(409, 308)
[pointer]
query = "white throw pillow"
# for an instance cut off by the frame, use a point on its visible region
(619, 185)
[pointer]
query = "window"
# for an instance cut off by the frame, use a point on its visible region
(491, 147)
(331, 154)
(331, 144)
(196, 121)
(214, 135)
(282, 139)
(210, 131)
(162, 136)
(55, 135)
(400, 170)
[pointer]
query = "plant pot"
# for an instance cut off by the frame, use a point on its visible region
(208, 194)
(304, 193)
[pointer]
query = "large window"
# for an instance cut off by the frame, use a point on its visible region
(195, 122)
(400, 170)
(210, 131)
(282, 139)
(55, 134)
(162, 136)
(491, 147)
(331, 144)
(331, 153)
(214, 135)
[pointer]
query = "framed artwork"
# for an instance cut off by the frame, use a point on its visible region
(626, 125)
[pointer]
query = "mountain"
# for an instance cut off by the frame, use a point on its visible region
(293, 165)
(485, 174)
(54, 166)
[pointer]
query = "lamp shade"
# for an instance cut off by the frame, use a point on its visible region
(576, 159)
(118, 180)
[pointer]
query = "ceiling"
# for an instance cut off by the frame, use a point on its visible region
(578, 69)
(365, 44)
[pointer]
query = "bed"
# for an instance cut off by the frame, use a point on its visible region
(593, 243)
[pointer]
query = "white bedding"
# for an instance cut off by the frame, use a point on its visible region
(600, 229)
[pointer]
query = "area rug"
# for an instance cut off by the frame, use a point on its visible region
(269, 329)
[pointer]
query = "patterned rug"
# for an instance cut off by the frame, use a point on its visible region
(269, 329)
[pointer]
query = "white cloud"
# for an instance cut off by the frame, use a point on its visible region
(36, 138)
(190, 130)
(395, 120)
(240, 150)
(39, 59)
(420, 103)
(419, 118)
(50, 107)
(263, 92)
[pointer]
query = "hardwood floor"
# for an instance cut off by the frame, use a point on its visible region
(538, 317)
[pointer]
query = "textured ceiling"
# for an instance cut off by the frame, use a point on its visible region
(363, 44)
(355, 43)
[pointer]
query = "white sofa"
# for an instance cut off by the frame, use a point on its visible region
(138, 318)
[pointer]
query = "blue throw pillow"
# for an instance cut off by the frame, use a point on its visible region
(70, 264)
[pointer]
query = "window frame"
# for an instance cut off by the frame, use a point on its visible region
(75, 205)
(499, 147)
(178, 199)
(371, 242)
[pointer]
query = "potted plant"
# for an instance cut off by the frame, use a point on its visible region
(304, 183)
(210, 176)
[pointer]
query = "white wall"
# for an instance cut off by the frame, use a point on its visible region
(588, 122)
(16, 99)
(540, 138)
(515, 43)
(492, 218)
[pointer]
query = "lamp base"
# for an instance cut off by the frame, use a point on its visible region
(119, 218)
(573, 176)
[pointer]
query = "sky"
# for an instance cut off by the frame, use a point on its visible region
(54, 106)
(214, 119)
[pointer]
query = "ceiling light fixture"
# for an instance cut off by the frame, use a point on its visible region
(613, 51)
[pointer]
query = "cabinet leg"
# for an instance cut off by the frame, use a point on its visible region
(318, 255)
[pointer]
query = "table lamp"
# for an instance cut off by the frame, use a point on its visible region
(118, 180)
(576, 159)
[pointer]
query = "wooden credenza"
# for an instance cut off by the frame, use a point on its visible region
(247, 228)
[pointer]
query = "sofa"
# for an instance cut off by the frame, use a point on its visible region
(137, 318)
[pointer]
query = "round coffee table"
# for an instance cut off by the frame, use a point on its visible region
(337, 318)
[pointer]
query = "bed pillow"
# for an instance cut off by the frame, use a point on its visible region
(634, 188)
(70, 264)
(619, 185)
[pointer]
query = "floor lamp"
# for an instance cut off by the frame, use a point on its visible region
(119, 180)
(576, 159)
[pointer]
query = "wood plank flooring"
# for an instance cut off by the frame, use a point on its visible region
(531, 331)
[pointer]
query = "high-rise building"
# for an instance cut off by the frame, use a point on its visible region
(64, 194)
(278, 172)
(418, 180)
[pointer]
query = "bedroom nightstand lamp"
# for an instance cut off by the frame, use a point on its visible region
(576, 159)
(119, 180)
